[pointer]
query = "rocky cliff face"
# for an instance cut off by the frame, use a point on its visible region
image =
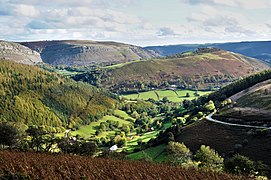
(82, 53)
(18, 53)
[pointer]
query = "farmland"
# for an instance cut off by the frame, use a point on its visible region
(89, 130)
(174, 96)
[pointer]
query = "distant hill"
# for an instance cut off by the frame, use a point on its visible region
(199, 68)
(18, 53)
(80, 52)
(32, 96)
(256, 49)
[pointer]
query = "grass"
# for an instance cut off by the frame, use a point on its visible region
(157, 153)
(121, 64)
(145, 137)
(89, 130)
(122, 114)
(174, 96)
(66, 73)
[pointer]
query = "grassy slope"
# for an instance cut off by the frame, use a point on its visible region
(46, 166)
(257, 96)
(206, 64)
(157, 154)
(171, 95)
(253, 105)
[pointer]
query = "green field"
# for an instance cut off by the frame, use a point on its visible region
(66, 73)
(89, 130)
(122, 117)
(157, 154)
(174, 96)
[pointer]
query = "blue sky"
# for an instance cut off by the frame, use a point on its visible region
(139, 22)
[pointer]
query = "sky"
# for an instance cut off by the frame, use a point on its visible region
(138, 22)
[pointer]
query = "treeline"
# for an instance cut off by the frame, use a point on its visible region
(30, 96)
(236, 87)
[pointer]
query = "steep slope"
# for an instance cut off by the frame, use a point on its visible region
(255, 144)
(200, 68)
(79, 52)
(257, 49)
(32, 96)
(252, 106)
(18, 53)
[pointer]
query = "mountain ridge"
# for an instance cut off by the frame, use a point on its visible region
(86, 52)
(256, 49)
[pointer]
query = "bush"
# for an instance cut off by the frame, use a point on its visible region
(179, 154)
(8, 134)
(240, 165)
(209, 159)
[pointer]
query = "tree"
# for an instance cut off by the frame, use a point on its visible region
(126, 128)
(210, 106)
(240, 165)
(209, 159)
(37, 139)
(178, 152)
(165, 99)
(170, 137)
(120, 141)
(187, 95)
(8, 135)
(88, 148)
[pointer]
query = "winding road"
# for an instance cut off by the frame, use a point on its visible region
(209, 118)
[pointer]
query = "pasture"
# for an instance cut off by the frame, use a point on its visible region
(172, 95)
(89, 130)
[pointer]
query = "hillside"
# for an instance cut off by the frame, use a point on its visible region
(227, 140)
(202, 68)
(252, 106)
(257, 49)
(32, 96)
(46, 166)
(79, 52)
(18, 53)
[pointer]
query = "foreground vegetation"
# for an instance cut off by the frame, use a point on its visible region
(29, 165)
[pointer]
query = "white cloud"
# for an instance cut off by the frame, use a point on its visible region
(26, 10)
(247, 4)
(119, 20)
